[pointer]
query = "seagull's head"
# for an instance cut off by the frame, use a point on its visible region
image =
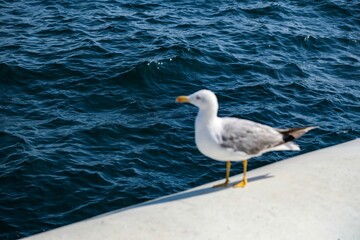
(203, 99)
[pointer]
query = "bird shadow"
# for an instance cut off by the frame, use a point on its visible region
(260, 177)
(200, 192)
(184, 195)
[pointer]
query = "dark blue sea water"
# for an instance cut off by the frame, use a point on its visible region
(88, 119)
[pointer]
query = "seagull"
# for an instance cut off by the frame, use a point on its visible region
(234, 139)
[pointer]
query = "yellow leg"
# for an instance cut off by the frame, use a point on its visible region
(244, 181)
(228, 166)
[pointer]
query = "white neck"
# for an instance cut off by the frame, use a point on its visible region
(206, 116)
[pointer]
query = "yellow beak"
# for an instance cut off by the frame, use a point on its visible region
(182, 99)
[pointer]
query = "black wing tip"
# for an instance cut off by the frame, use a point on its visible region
(288, 138)
(295, 133)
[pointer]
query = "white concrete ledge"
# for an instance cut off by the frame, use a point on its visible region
(311, 196)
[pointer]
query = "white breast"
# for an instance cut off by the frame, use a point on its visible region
(208, 140)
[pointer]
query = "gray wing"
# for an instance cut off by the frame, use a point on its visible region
(247, 136)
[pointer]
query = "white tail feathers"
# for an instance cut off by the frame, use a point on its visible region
(289, 146)
(292, 146)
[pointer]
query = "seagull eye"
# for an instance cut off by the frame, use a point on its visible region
(198, 98)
